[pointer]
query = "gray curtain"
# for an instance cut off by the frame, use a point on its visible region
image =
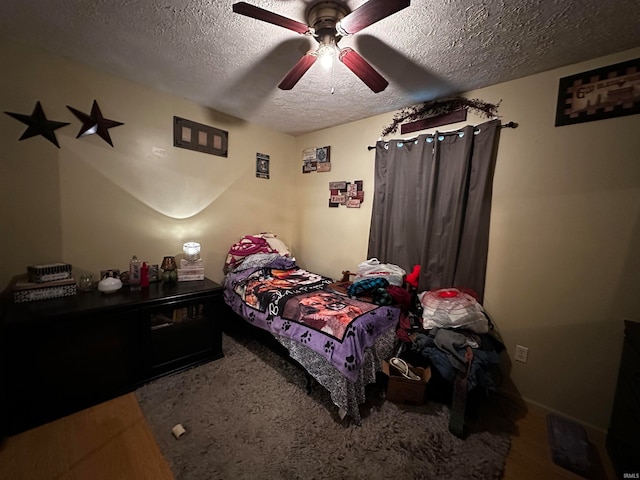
(432, 203)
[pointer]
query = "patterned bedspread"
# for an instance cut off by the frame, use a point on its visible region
(295, 304)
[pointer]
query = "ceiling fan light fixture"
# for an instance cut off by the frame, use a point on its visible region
(326, 56)
(327, 51)
(328, 21)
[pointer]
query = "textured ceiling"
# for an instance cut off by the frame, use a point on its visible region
(201, 50)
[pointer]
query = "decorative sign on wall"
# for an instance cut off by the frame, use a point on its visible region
(443, 111)
(199, 137)
(262, 165)
(95, 123)
(435, 121)
(316, 159)
(607, 92)
(349, 194)
(38, 124)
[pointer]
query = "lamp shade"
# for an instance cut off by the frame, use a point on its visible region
(168, 263)
(191, 251)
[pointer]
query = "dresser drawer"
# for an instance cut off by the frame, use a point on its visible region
(625, 418)
(632, 333)
(622, 438)
(630, 368)
(623, 441)
(624, 455)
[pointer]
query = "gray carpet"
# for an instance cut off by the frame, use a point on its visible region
(248, 416)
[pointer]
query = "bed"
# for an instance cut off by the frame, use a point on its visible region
(339, 341)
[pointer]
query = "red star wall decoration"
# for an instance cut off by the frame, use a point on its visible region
(38, 124)
(95, 123)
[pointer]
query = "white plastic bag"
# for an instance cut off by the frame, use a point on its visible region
(451, 308)
(372, 268)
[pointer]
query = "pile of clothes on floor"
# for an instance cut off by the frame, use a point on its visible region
(450, 331)
(452, 326)
(446, 329)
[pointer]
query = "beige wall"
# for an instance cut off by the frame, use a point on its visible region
(563, 269)
(94, 206)
(562, 273)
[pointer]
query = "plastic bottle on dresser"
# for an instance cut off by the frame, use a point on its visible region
(144, 275)
(134, 273)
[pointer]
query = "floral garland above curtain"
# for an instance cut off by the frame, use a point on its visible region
(440, 107)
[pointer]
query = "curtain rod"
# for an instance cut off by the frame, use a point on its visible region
(456, 132)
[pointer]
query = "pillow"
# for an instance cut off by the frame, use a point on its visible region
(451, 308)
(277, 244)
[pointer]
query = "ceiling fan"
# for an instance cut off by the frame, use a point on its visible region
(328, 22)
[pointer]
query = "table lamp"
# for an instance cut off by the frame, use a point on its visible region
(191, 251)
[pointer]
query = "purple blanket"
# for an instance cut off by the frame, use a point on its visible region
(294, 304)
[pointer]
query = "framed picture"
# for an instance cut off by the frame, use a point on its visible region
(199, 137)
(262, 165)
(346, 193)
(308, 167)
(316, 159)
(598, 94)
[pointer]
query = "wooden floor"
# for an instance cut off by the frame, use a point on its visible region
(112, 441)
(530, 455)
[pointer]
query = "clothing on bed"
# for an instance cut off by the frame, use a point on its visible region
(249, 245)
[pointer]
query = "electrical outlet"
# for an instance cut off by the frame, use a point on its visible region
(521, 354)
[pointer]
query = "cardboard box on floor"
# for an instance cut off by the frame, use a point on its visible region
(403, 390)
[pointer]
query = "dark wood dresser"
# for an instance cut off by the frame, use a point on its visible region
(61, 355)
(623, 437)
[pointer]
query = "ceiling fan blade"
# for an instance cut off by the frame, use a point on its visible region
(243, 8)
(363, 70)
(369, 13)
(298, 70)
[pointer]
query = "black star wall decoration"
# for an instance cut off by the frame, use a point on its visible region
(95, 123)
(38, 124)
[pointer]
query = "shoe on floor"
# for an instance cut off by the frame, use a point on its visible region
(402, 366)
